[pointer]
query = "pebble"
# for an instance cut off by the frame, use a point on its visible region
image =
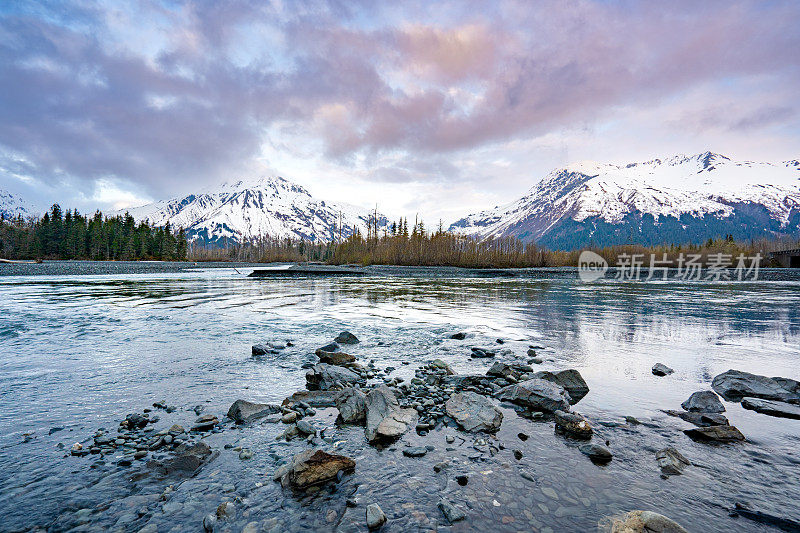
(415, 451)
(375, 516)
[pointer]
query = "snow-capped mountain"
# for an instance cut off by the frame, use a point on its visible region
(246, 210)
(13, 206)
(675, 200)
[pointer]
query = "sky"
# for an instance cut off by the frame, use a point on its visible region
(435, 109)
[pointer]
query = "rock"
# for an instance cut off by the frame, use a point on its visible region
(314, 398)
(474, 412)
(415, 451)
(209, 522)
(778, 522)
(187, 459)
(243, 412)
(325, 377)
(305, 427)
(335, 358)
(441, 365)
(500, 370)
(517, 455)
(704, 402)
(671, 461)
(645, 522)
(700, 419)
(263, 349)
(136, 421)
(462, 480)
(734, 385)
(246, 454)
(289, 418)
(385, 418)
(596, 453)
(332, 347)
(573, 424)
(176, 429)
(313, 467)
(140, 454)
(570, 380)
(375, 516)
(481, 353)
(538, 394)
(660, 369)
(452, 513)
(772, 407)
(78, 450)
(352, 406)
(716, 433)
(226, 510)
(205, 423)
(346, 337)
(460, 336)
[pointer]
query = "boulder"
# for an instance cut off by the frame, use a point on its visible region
(243, 412)
(374, 516)
(570, 380)
(474, 412)
(660, 369)
(734, 385)
(772, 407)
(537, 394)
(352, 406)
(314, 398)
(716, 433)
(703, 402)
(313, 467)
(700, 419)
(500, 370)
(645, 522)
(385, 418)
(346, 337)
(671, 461)
(325, 377)
(573, 424)
(335, 358)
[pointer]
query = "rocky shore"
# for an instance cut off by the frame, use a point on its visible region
(454, 432)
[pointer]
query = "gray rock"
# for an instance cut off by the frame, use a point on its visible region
(716, 433)
(313, 398)
(209, 522)
(375, 516)
(244, 412)
(415, 451)
(325, 377)
(573, 424)
(703, 402)
(263, 349)
(481, 353)
(246, 454)
(452, 513)
(303, 426)
(205, 423)
(734, 385)
(474, 412)
(595, 452)
(645, 522)
(772, 407)
(332, 347)
(671, 461)
(570, 380)
(460, 336)
(441, 365)
(700, 419)
(538, 394)
(385, 418)
(346, 337)
(660, 369)
(352, 406)
(500, 370)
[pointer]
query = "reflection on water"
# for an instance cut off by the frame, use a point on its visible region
(81, 351)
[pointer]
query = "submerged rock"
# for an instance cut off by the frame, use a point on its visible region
(671, 461)
(452, 513)
(244, 412)
(330, 347)
(660, 369)
(352, 405)
(325, 377)
(644, 522)
(779, 522)
(538, 394)
(573, 424)
(187, 460)
(703, 402)
(474, 412)
(570, 380)
(346, 337)
(735, 385)
(375, 517)
(700, 419)
(313, 467)
(716, 433)
(385, 418)
(595, 452)
(772, 407)
(415, 451)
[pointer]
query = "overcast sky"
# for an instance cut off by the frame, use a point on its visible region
(436, 108)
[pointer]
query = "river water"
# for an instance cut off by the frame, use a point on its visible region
(83, 344)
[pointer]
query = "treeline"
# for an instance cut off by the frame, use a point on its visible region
(71, 235)
(418, 247)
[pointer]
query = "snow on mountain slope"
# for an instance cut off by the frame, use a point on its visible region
(13, 206)
(245, 210)
(613, 204)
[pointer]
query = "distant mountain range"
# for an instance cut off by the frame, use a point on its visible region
(245, 210)
(676, 200)
(13, 206)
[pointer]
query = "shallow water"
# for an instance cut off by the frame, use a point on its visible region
(84, 344)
